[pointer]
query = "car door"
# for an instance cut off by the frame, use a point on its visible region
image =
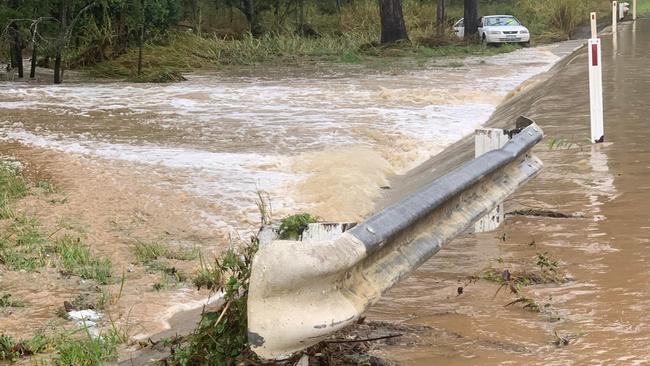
(459, 28)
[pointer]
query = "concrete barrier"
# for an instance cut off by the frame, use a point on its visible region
(300, 293)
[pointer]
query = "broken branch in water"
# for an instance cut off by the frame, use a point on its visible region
(364, 340)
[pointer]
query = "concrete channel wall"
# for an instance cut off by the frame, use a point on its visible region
(302, 292)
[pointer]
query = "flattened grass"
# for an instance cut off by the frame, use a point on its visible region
(146, 253)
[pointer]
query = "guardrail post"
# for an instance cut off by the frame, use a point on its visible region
(486, 140)
(614, 16)
(596, 91)
(594, 28)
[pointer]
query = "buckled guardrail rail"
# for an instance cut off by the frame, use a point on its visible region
(302, 292)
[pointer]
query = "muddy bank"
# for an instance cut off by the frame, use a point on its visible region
(598, 316)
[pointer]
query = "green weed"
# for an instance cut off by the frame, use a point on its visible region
(6, 301)
(545, 263)
(207, 276)
(291, 227)
(222, 336)
(12, 185)
(559, 143)
(47, 187)
(12, 350)
(88, 351)
(77, 260)
(146, 253)
(169, 277)
(350, 58)
(23, 248)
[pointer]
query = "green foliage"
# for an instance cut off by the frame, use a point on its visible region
(146, 253)
(77, 260)
(6, 301)
(47, 187)
(12, 185)
(23, 248)
(558, 143)
(221, 337)
(12, 350)
(545, 263)
(350, 57)
(88, 351)
(643, 7)
(291, 227)
(71, 349)
(169, 277)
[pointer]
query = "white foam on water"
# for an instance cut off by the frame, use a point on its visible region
(233, 134)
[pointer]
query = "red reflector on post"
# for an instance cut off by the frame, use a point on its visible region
(594, 55)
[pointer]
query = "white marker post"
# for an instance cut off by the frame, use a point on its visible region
(596, 91)
(633, 9)
(486, 140)
(594, 29)
(614, 16)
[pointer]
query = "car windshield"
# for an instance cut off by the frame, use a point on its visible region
(497, 21)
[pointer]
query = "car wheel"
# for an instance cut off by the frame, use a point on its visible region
(526, 44)
(484, 41)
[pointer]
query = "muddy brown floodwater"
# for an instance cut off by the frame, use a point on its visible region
(179, 164)
(603, 309)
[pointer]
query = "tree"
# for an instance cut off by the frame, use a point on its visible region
(66, 30)
(471, 19)
(15, 40)
(393, 28)
(141, 43)
(60, 43)
(440, 16)
(248, 7)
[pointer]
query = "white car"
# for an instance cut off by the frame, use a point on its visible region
(497, 29)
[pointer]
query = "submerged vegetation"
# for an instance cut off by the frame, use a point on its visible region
(155, 40)
(76, 259)
(26, 246)
(516, 281)
(221, 336)
(146, 253)
(71, 348)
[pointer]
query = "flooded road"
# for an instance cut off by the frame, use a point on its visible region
(603, 251)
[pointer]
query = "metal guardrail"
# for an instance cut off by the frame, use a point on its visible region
(302, 292)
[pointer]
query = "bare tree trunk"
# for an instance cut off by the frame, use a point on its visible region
(471, 19)
(248, 8)
(141, 45)
(301, 16)
(393, 28)
(16, 48)
(440, 16)
(32, 69)
(58, 73)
